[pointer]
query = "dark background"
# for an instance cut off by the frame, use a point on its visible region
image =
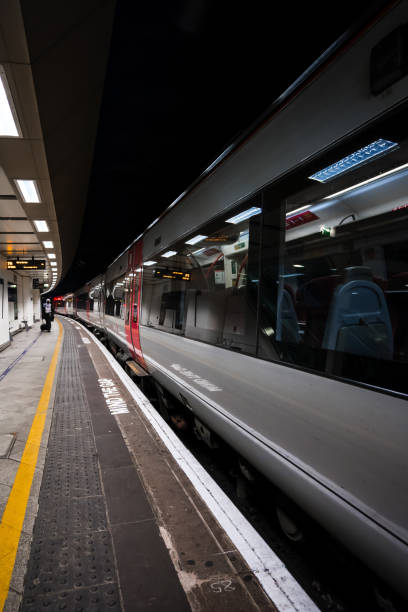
(184, 78)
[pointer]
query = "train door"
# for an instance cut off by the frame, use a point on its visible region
(127, 302)
(136, 256)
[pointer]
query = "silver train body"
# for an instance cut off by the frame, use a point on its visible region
(263, 324)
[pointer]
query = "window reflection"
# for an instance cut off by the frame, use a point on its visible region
(342, 278)
(207, 290)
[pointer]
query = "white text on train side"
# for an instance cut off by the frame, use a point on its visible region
(195, 378)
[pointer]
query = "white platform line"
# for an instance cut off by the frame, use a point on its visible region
(282, 588)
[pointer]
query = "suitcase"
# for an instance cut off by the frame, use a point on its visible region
(43, 327)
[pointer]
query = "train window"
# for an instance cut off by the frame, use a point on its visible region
(164, 295)
(208, 290)
(136, 280)
(95, 294)
(337, 297)
(117, 297)
(82, 300)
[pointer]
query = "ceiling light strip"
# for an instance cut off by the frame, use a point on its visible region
(8, 117)
(28, 190)
(370, 180)
(354, 160)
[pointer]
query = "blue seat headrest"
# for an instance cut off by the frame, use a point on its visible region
(357, 273)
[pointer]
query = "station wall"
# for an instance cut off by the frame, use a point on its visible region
(18, 303)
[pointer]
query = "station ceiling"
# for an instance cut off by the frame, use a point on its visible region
(53, 59)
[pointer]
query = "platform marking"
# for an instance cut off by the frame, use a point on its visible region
(113, 399)
(278, 583)
(14, 513)
(17, 359)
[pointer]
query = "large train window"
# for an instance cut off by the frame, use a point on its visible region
(81, 301)
(338, 298)
(117, 295)
(95, 294)
(206, 287)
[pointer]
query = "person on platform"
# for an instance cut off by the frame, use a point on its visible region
(48, 314)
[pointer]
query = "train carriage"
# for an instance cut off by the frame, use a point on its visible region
(271, 297)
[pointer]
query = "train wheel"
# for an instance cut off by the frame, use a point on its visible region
(291, 529)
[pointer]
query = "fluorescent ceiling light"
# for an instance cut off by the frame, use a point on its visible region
(53, 263)
(28, 190)
(246, 214)
(41, 226)
(298, 266)
(48, 244)
(8, 125)
(198, 252)
(196, 239)
(51, 255)
(370, 180)
(169, 254)
(367, 153)
(149, 263)
(293, 212)
(46, 285)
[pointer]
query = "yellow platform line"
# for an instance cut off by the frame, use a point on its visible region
(14, 513)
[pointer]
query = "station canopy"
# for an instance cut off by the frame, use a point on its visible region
(53, 58)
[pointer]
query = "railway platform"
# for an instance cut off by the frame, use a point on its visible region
(101, 507)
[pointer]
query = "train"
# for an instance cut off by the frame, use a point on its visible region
(271, 297)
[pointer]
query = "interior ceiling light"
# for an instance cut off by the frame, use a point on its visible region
(53, 263)
(370, 180)
(41, 226)
(28, 190)
(8, 125)
(196, 239)
(51, 255)
(169, 254)
(48, 244)
(293, 212)
(246, 214)
(367, 153)
(149, 263)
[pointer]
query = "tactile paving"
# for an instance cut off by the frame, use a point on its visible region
(94, 599)
(70, 516)
(71, 565)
